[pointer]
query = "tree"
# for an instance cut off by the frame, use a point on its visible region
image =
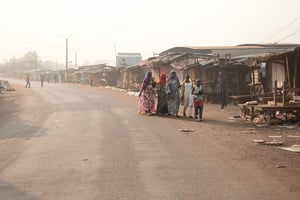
(30, 60)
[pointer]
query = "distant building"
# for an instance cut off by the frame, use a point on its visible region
(128, 59)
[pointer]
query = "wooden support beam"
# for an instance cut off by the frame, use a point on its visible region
(295, 73)
(275, 92)
(288, 70)
(238, 81)
(283, 93)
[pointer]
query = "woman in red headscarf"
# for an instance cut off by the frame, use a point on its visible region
(162, 102)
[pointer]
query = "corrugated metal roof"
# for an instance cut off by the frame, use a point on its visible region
(239, 49)
(242, 59)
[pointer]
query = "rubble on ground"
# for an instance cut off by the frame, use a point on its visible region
(274, 142)
(293, 148)
(186, 130)
(5, 86)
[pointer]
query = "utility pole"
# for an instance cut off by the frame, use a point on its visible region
(7, 67)
(75, 60)
(116, 54)
(34, 60)
(34, 77)
(14, 64)
(66, 72)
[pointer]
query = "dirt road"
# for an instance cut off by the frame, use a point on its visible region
(77, 142)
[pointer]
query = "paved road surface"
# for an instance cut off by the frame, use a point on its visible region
(72, 143)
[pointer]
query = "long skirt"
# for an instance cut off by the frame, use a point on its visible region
(162, 102)
(173, 103)
(147, 101)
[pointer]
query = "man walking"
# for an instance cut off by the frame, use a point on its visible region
(27, 81)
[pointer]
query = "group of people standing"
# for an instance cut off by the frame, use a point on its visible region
(170, 94)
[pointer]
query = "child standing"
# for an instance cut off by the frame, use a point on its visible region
(198, 99)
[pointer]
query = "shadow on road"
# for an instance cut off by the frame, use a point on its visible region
(11, 125)
(11, 192)
(215, 122)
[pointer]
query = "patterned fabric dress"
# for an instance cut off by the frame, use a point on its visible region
(162, 102)
(172, 90)
(147, 95)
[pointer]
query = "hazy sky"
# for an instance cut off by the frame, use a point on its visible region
(145, 26)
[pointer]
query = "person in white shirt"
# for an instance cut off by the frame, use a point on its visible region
(187, 96)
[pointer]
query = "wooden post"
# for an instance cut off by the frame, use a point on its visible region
(237, 78)
(295, 73)
(252, 113)
(215, 59)
(283, 93)
(275, 92)
(288, 70)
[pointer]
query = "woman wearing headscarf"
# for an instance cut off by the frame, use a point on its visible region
(147, 95)
(172, 90)
(162, 102)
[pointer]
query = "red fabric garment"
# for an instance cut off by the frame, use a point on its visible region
(198, 103)
(162, 80)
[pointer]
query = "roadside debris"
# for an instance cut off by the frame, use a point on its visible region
(261, 125)
(133, 93)
(293, 148)
(251, 103)
(280, 166)
(249, 132)
(235, 117)
(275, 136)
(186, 130)
(293, 136)
(289, 126)
(275, 142)
(259, 141)
(4, 86)
(259, 121)
(274, 121)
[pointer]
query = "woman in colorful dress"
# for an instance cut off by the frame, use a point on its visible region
(147, 95)
(172, 91)
(162, 102)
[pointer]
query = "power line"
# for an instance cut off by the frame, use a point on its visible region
(282, 29)
(288, 36)
(39, 44)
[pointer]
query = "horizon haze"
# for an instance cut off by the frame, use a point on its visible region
(97, 30)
